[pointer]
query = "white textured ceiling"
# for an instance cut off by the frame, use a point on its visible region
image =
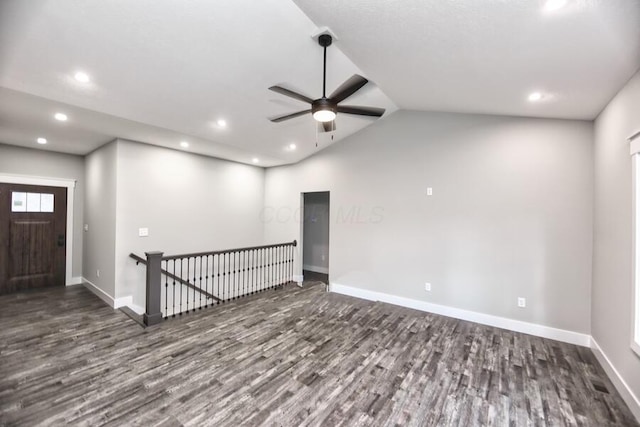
(24, 118)
(173, 65)
(486, 56)
(165, 70)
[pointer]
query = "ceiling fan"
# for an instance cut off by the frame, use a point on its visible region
(325, 109)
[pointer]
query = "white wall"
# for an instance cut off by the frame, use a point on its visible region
(100, 216)
(511, 214)
(315, 242)
(188, 202)
(46, 164)
(613, 233)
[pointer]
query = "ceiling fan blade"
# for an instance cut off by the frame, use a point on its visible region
(291, 94)
(361, 111)
(327, 126)
(289, 116)
(348, 88)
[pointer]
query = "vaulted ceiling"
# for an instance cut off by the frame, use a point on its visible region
(166, 71)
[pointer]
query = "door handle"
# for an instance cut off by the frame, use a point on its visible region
(61, 240)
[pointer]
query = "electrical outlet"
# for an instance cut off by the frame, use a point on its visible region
(429, 191)
(143, 232)
(86, 227)
(97, 273)
(522, 302)
(427, 287)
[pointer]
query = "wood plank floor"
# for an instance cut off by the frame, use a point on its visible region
(297, 356)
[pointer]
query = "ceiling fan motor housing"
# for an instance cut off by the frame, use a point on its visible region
(324, 110)
(323, 104)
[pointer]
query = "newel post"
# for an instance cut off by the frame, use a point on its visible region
(153, 313)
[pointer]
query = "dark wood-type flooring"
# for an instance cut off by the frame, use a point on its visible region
(297, 356)
(313, 276)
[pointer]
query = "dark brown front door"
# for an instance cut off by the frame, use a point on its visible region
(32, 236)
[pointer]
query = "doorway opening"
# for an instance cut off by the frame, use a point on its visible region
(315, 236)
(33, 229)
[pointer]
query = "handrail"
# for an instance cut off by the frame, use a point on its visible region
(226, 251)
(176, 278)
(228, 274)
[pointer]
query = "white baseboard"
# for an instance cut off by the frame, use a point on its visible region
(113, 302)
(620, 384)
(315, 269)
(472, 316)
(123, 302)
(136, 308)
(75, 281)
(99, 292)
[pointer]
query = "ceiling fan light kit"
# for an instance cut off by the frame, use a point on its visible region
(325, 109)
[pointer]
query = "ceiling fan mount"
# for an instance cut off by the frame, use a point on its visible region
(325, 40)
(325, 109)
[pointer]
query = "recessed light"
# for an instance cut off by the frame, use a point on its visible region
(184, 144)
(221, 123)
(553, 5)
(255, 160)
(61, 117)
(41, 141)
(535, 97)
(292, 147)
(82, 77)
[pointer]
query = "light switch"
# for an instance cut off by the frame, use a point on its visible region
(429, 191)
(143, 232)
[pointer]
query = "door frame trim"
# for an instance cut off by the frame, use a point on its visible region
(70, 185)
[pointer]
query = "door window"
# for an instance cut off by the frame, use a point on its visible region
(31, 202)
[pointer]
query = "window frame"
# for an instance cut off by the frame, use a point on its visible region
(634, 141)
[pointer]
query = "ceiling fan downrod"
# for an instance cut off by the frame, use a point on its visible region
(325, 41)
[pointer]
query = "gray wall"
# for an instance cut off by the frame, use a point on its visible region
(100, 216)
(316, 232)
(511, 213)
(613, 232)
(190, 203)
(46, 164)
